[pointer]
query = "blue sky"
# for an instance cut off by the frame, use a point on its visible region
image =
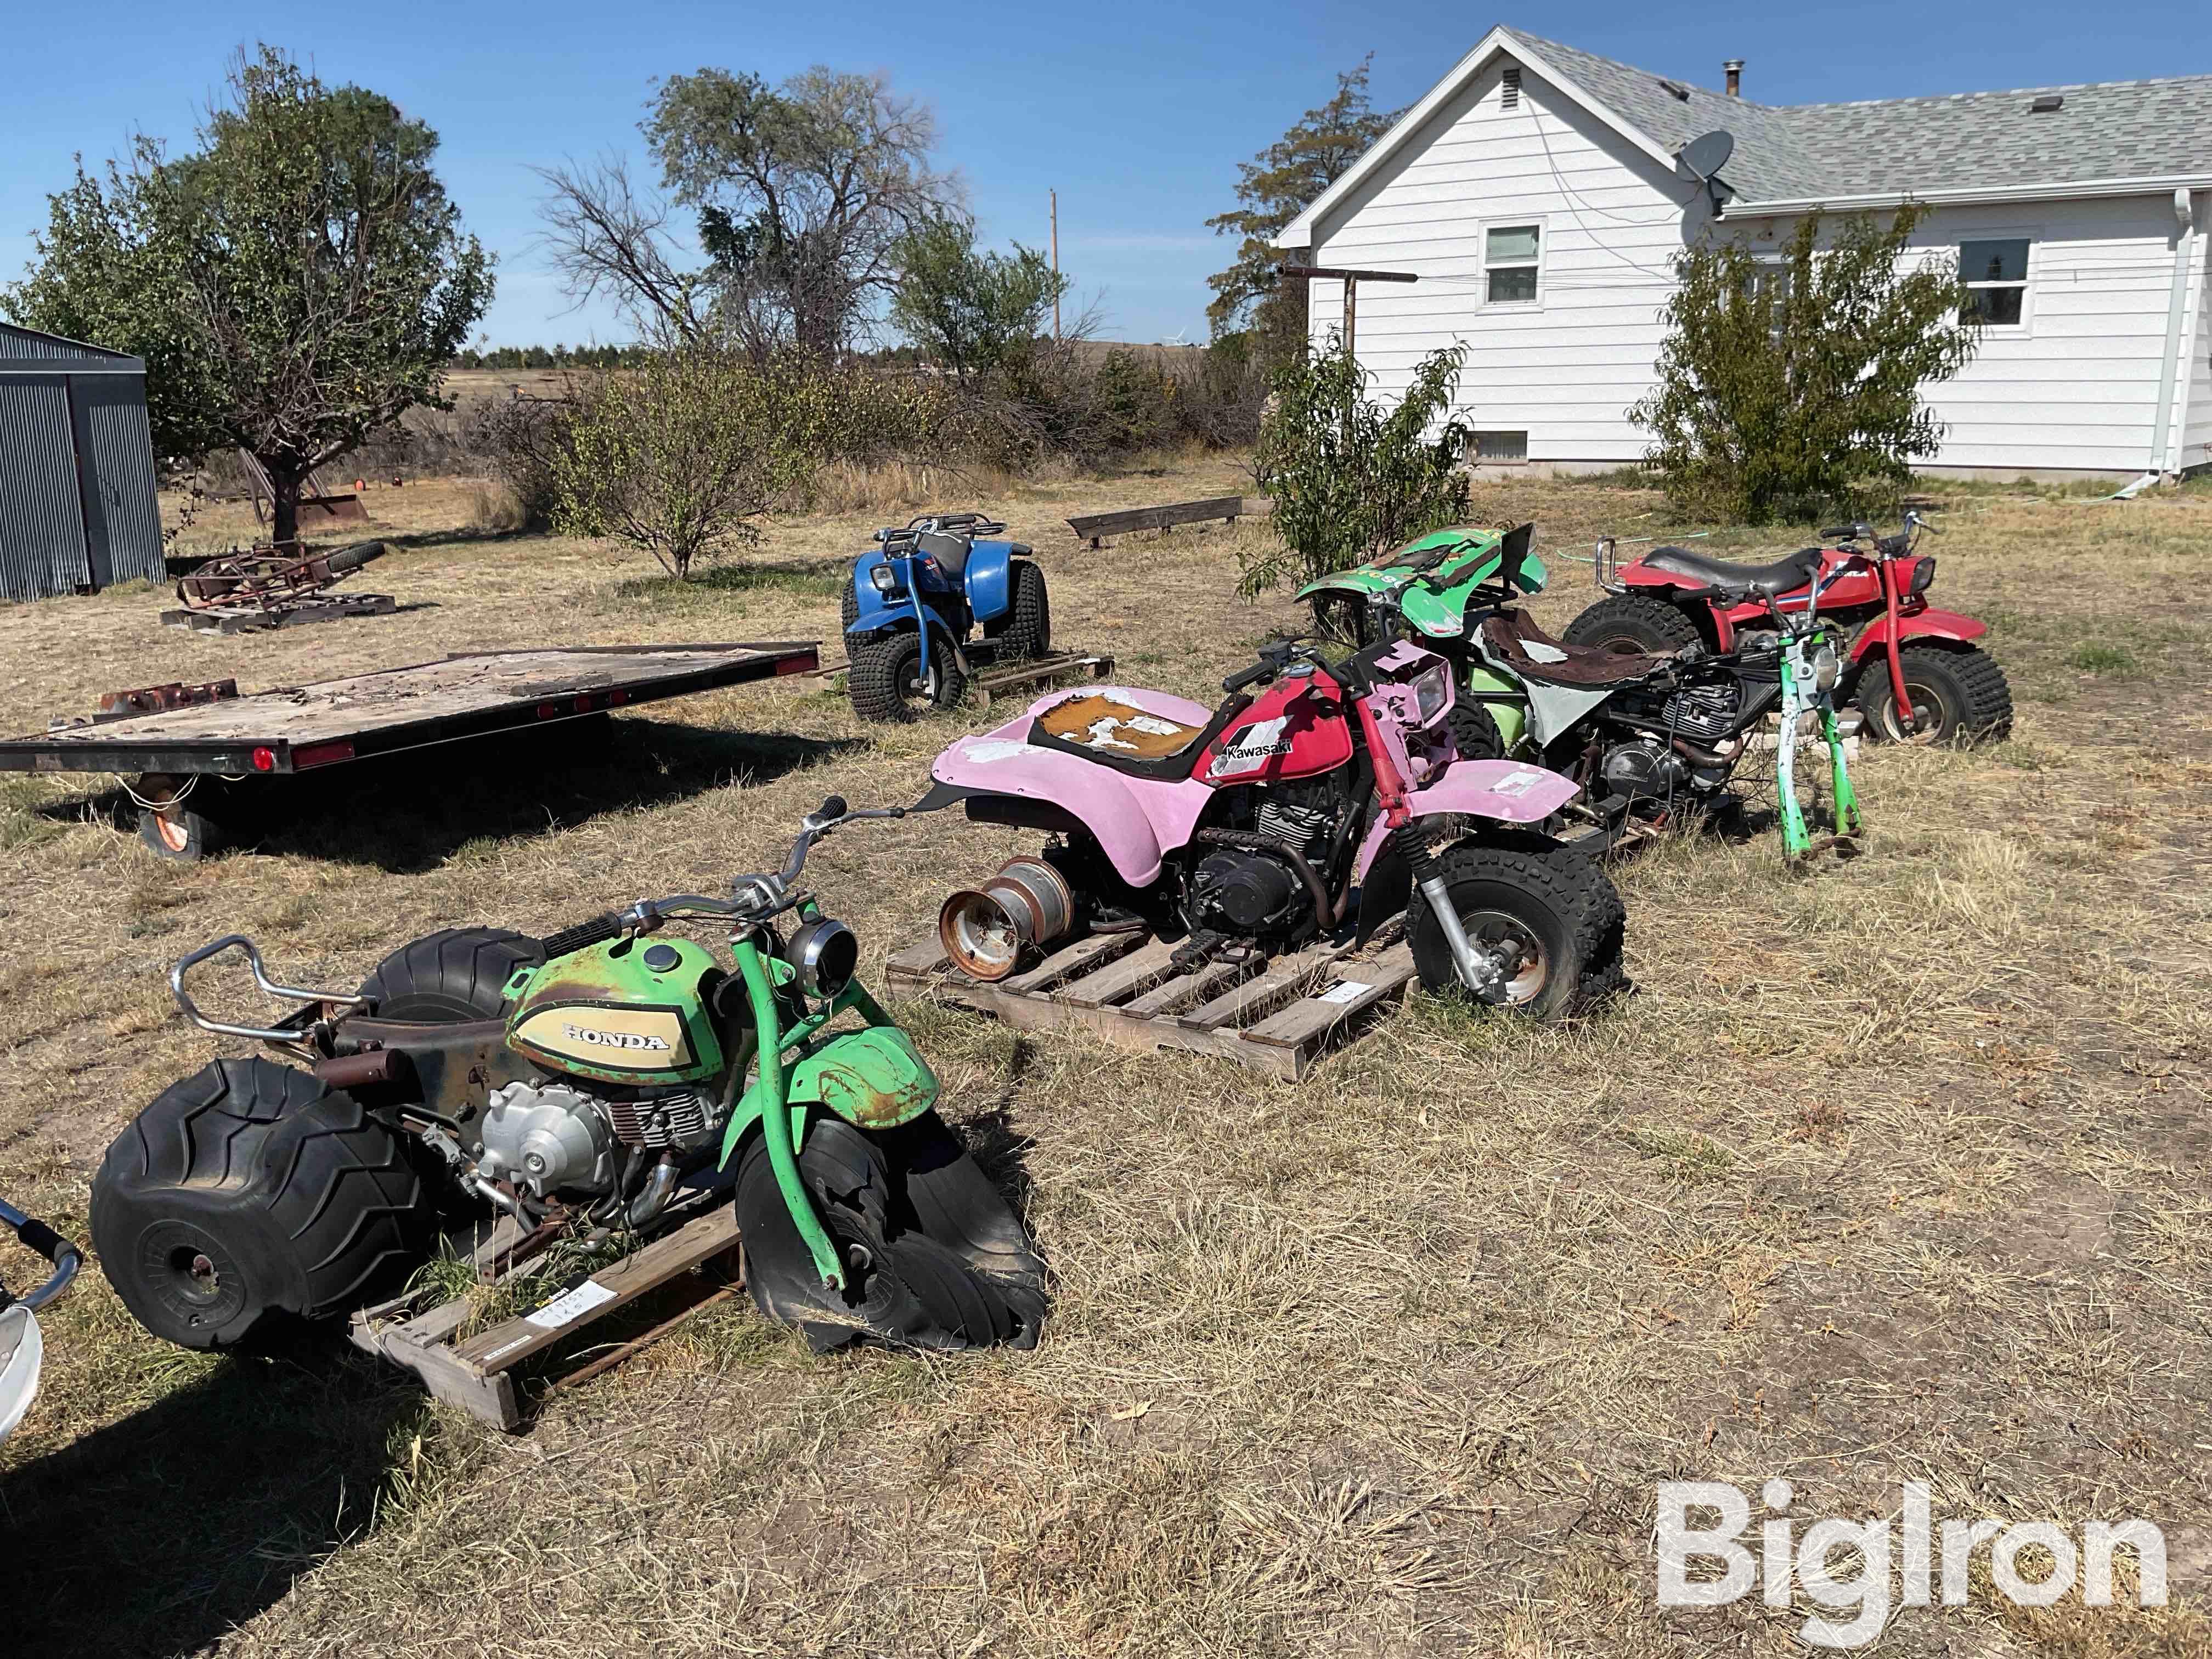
(1137, 112)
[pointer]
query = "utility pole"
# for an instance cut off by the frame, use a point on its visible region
(1351, 280)
(1055, 264)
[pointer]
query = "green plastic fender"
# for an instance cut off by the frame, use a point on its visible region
(874, 1078)
(1434, 602)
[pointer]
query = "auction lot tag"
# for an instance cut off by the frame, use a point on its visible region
(571, 1306)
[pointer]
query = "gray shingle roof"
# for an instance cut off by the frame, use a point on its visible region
(1897, 146)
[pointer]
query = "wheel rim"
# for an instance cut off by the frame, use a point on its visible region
(193, 1276)
(1928, 724)
(1625, 645)
(1513, 947)
(174, 836)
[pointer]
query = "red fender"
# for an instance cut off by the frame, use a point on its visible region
(1924, 625)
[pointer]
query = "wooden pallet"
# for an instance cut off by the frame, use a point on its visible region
(998, 679)
(1275, 1017)
(474, 1373)
(253, 619)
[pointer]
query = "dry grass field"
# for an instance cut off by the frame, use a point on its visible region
(1893, 1171)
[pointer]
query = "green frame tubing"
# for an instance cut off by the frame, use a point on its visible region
(1801, 692)
(782, 1123)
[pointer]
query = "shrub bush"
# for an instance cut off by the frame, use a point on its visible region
(1351, 478)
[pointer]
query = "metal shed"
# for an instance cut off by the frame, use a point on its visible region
(77, 510)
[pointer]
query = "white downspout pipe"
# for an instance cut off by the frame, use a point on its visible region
(2164, 450)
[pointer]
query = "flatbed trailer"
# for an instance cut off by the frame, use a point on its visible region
(164, 754)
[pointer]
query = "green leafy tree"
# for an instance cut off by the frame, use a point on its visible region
(973, 312)
(296, 284)
(1273, 189)
(1793, 389)
(675, 457)
(1351, 477)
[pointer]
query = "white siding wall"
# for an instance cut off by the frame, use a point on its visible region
(2075, 386)
(1565, 369)
(2076, 383)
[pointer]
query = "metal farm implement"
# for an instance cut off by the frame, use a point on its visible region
(276, 586)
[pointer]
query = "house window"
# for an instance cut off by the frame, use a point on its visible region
(1995, 277)
(1497, 445)
(1509, 257)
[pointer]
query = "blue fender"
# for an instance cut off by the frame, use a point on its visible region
(990, 588)
(879, 612)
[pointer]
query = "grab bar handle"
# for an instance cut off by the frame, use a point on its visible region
(259, 1033)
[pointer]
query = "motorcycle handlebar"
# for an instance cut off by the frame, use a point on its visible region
(37, 1236)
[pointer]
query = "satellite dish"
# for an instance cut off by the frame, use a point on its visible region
(1703, 157)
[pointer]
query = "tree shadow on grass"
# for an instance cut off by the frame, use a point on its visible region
(158, 1534)
(410, 813)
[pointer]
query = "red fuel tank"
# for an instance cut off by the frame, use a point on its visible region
(1299, 727)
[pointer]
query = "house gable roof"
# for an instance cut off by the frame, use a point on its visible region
(1984, 142)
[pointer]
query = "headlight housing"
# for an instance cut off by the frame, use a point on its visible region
(1827, 665)
(1924, 578)
(824, 953)
(1432, 691)
(882, 578)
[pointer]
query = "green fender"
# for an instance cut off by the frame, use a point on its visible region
(874, 1078)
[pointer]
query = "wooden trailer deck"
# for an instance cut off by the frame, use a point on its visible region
(182, 743)
(293, 728)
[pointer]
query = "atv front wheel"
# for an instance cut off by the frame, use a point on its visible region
(1554, 923)
(934, 1257)
(249, 1190)
(1957, 696)
(886, 682)
(1632, 624)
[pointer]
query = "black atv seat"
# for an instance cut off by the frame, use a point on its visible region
(950, 551)
(1781, 576)
(1532, 653)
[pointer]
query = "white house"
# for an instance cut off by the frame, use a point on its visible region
(1540, 195)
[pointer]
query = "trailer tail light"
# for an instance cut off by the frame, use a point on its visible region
(321, 754)
(1924, 578)
(547, 711)
(265, 760)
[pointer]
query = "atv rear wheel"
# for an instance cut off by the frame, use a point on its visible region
(934, 1257)
(1957, 696)
(452, 976)
(885, 683)
(1632, 624)
(1026, 630)
(251, 1191)
(1558, 915)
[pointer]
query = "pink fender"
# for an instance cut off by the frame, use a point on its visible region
(1931, 624)
(1136, 820)
(1507, 790)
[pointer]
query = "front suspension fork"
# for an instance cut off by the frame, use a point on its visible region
(775, 1119)
(1476, 970)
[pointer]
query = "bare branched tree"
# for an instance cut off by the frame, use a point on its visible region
(603, 239)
